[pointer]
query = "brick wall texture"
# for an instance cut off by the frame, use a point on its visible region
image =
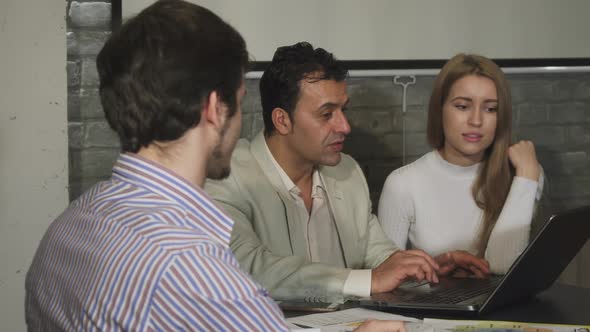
(553, 110)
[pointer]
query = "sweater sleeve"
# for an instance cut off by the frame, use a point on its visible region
(510, 235)
(396, 211)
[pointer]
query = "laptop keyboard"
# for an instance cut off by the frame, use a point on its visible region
(456, 295)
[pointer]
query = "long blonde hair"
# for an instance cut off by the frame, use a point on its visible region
(491, 187)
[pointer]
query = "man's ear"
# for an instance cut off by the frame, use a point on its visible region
(282, 121)
(213, 111)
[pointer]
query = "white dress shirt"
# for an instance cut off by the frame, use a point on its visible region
(323, 242)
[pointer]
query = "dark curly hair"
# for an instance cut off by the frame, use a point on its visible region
(280, 84)
(157, 70)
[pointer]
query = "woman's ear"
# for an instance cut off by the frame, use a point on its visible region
(281, 121)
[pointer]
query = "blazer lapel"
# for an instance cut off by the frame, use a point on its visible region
(345, 225)
(260, 152)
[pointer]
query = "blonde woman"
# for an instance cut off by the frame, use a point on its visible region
(469, 202)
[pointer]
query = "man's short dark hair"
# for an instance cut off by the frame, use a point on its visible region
(157, 70)
(281, 82)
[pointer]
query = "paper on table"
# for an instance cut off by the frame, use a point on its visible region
(410, 327)
(345, 316)
(445, 325)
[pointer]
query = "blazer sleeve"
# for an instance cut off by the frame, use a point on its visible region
(285, 276)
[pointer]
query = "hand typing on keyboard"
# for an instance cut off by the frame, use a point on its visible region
(460, 263)
(403, 265)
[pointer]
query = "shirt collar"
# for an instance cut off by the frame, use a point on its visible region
(202, 213)
(317, 184)
(452, 169)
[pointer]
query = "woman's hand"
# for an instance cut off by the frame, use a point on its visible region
(524, 159)
(460, 263)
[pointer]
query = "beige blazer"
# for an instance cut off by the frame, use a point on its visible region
(268, 239)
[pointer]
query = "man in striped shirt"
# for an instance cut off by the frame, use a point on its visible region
(147, 250)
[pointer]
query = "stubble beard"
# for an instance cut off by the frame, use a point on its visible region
(216, 169)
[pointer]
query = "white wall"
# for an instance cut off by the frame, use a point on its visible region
(408, 29)
(33, 139)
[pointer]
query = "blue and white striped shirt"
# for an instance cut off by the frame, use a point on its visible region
(143, 251)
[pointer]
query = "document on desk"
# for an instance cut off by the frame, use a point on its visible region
(347, 317)
(348, 327)
(444, 325)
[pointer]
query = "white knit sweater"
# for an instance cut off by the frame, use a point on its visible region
(428, 205)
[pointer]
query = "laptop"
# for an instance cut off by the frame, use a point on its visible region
(535, 270)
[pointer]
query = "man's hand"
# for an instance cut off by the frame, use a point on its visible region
(381, 326)
(401, 265)
(524, 159)
(460, 263)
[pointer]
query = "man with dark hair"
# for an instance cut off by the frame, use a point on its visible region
(147, 250)
(303, 220)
